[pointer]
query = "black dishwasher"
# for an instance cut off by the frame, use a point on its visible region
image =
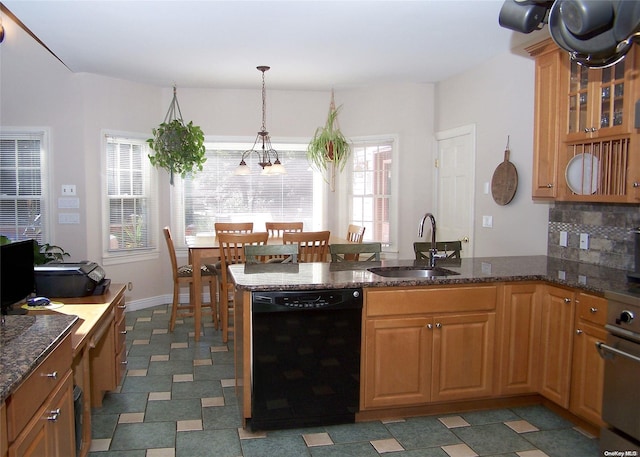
(306, 358)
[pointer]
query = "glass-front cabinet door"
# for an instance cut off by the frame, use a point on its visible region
(596, 100)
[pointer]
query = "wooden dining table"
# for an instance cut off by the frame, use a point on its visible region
(202, 248)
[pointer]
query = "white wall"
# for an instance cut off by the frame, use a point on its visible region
(498, 98)
(37, 90)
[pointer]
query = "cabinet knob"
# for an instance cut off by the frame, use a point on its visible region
(429, 326)
(550, 185)
(53, 375)
(567, 300)
(124, 332)
(438, 325)
(54, 413)
(122, 306)
(578, 332)
(124, 362)
(636, 184)
(593, 310)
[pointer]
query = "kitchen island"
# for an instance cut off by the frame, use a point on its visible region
(497, 332)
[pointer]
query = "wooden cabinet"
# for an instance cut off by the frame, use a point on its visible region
(3, 431)
(587, 375)
(428, 345)
(397, 362)
(107, 351)
(584, 128)
(520, 314)
(556, 343)
(546, 140)
(40, 414)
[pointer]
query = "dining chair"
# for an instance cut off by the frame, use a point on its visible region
(351, 252)
(276, 229)
(266, 253)
(312, 246)
(355, 233)
(450, 248)
(233, 227)
(182, 277)
(231, 252)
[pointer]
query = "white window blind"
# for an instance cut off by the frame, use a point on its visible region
(131, 205)
(215, 194)
(371, 189)
(23, 213)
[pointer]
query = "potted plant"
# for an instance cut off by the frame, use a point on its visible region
(329, 149)
(179, 147)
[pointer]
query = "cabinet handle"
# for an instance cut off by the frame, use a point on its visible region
(593, 310)
(429, 326)
(567, 300)
(438, 325)
(124, 362)
(124, 332)
(53, 375)
(578, 332)
(122, 306)
(550, 185)
(54, 415)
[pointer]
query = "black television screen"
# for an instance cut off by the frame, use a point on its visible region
(16, 272)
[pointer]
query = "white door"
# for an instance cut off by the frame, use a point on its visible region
(455, 186)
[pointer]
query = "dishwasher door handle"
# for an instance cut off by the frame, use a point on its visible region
(603, 349)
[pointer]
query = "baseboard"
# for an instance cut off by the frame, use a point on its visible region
(150, 302)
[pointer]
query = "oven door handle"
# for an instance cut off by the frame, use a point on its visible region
(603, 349)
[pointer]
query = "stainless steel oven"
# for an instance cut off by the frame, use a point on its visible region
(621, 398)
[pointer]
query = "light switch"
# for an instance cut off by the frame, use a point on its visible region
(487, 221)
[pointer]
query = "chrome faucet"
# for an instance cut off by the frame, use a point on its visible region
(433, 252)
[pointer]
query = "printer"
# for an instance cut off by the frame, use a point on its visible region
(67, 279)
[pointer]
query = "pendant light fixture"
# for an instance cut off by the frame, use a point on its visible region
(265, 152)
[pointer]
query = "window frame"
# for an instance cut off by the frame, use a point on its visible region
(151, 252)
(43, 134)
(346, 180)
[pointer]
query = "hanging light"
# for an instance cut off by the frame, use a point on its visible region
(265, 152)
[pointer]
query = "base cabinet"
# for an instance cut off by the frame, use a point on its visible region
(520, 313)
(426, 355)
(397, 362)
(587, 374)
(40, 413)
(556, 344)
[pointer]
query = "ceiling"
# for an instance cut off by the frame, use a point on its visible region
(310, 45)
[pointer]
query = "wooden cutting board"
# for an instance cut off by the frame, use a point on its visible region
(505, 181)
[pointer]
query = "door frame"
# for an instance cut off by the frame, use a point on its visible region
(469, 129)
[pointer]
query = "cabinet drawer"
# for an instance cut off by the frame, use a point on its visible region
(121, 333)
(34, 390)
(388, 302)
(592, 309)
(121, 306)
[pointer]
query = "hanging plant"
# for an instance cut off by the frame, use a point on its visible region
(329, 149)
(179, 147)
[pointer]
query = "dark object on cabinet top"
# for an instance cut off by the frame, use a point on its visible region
(68, 279)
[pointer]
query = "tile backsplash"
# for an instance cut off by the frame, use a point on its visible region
(611, 243)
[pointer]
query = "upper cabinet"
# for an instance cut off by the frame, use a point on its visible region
(584, 128)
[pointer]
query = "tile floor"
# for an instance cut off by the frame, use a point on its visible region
(178, 400)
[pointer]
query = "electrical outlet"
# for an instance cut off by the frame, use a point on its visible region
(584, 241)
(68, 190)
(563, 238)
(487, 221)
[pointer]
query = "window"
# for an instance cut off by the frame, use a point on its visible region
(215, 194)
(23, 207)
(370, 189)
(130, 205)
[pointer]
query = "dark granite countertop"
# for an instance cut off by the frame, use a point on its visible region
(25, 341)
(307, 276)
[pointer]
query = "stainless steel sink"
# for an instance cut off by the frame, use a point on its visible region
(411, 272)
